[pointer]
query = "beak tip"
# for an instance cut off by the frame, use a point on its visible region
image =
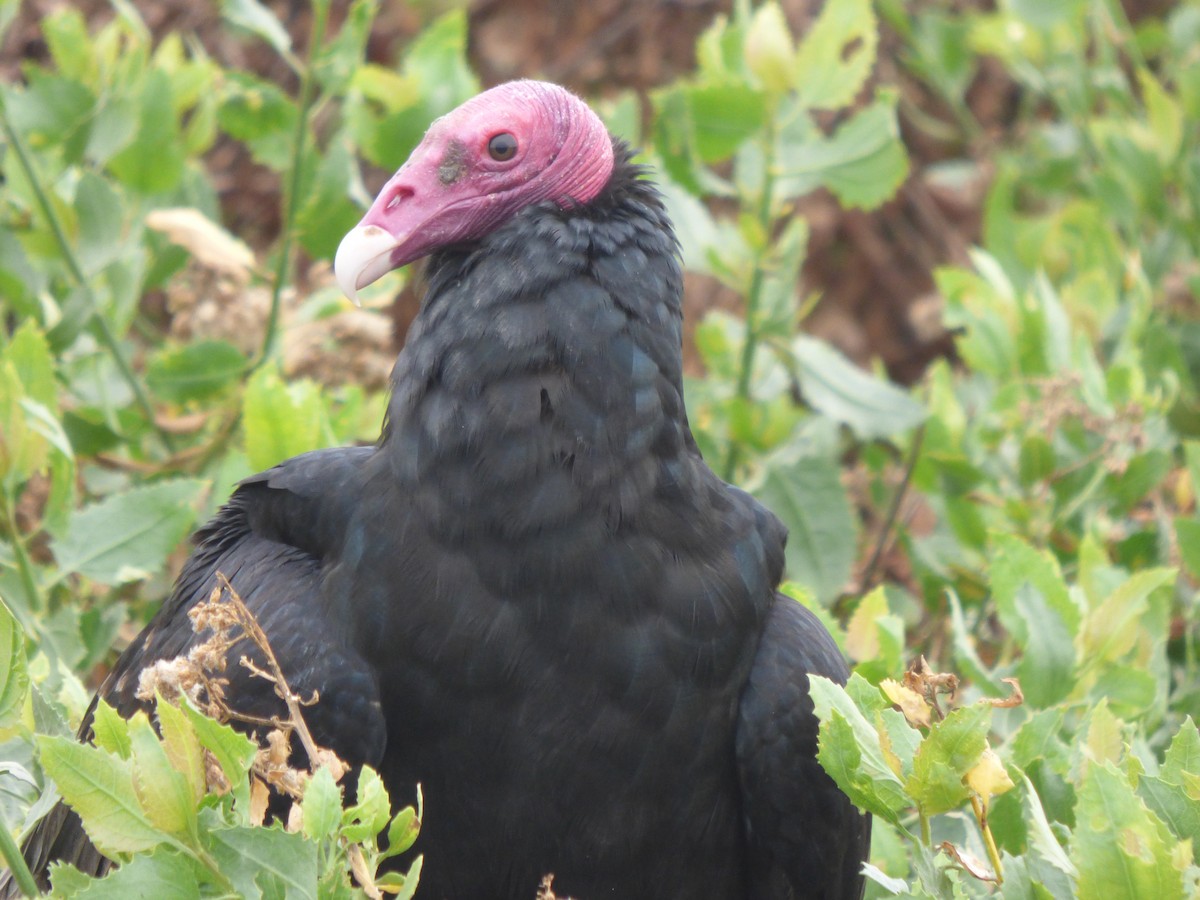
(362, 257)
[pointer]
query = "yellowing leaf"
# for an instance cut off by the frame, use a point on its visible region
(988, 777)
(862, 637)
(769, 52)
(912, 704)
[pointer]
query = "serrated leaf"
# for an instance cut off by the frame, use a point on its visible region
(953, 747)
(110, 731)
(244, 853)
(195, 371)
(851, 753)
(162, 792)
(99, 787)
(14, 669)
(163, 873)
(1172, 803)
(182, 747)
(1183, 756)
(33, 363)
(809, 497)
(834, 386)
(322, 805)
(129, 535)
(1122, 850)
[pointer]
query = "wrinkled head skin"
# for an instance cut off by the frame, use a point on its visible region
(465, 179)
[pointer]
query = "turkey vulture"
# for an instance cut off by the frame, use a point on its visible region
(532, 596)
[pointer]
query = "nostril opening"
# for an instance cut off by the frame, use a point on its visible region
(400, 192)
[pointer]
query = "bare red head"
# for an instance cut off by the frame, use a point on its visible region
(519, 143)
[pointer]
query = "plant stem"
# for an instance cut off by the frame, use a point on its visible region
(33, 598)
(16, 863)
(893, 513)
(299, 148)
(103, 331)
(754, 294)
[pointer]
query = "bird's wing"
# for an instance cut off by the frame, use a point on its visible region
(272, 540)
(804, 838)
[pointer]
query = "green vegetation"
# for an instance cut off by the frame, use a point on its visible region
(1042, 489)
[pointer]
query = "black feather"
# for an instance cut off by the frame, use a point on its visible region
(535, 599)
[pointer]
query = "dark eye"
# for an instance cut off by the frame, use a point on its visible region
(502, 147)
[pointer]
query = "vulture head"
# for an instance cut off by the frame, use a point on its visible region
(517, 144)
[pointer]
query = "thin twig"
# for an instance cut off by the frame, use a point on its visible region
(299, 146)
(893, 512)
(292, 701)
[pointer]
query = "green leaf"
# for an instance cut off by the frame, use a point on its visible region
(1122, 850)
(260, 114)
(403, 831)
(322, 805)
(163, 793)
(281, 419)
(127, 536)
(234, 752)
(337, 62)
(99, 786)
(834, 386)
(14, 670)
(370, 815)
(1183, 756)
(809, 497)
(153, 162)
(110, 731)
(951, 749)
(721, 116)
(1041, 837)
(182, 746)
(863, 162)
(163, 873)
(438, 60)
(850, 750)
(243, 854)
(327, 213)
(1112, 628)
(1178, 809)
(195, 371)
(1187, 533)
(33, 363)
(1048, 650)
(52, 111)
(257, 19)
(835, 57)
